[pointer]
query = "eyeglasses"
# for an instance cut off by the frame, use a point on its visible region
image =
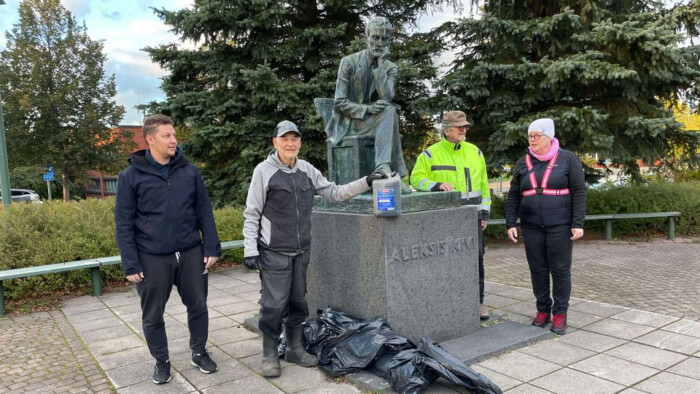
(535, 136)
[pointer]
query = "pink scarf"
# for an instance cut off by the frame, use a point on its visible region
(547, 156)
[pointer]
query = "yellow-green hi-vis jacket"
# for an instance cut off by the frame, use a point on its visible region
(462, 165)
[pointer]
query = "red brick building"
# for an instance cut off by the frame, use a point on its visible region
(105, 185)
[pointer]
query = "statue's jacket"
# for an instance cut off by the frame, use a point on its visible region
(354, 88)
(278, 207)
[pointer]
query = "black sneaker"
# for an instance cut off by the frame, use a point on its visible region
(204, 362)
(161, 372)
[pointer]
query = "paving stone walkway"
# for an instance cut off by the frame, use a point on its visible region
(96, 344)
(659, 276)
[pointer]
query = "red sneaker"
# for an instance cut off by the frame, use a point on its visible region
(541, 319)
(559, 324)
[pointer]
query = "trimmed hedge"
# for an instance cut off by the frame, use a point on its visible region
(683, 197)
(39, 234)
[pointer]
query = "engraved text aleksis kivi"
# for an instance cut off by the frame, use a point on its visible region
(425, 250)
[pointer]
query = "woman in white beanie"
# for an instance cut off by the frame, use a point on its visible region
(548, 193)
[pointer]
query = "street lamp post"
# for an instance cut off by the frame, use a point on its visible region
(4, 167)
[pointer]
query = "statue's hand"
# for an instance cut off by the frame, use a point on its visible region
(378, 106)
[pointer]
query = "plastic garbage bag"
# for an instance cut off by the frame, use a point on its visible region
(345, 344)
(451, 368)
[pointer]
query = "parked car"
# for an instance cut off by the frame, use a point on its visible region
(23, 195)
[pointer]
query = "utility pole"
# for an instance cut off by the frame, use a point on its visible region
(4, 167)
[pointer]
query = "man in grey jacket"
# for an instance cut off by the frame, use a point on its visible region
(277, 238)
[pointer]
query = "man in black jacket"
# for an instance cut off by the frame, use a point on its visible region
(162, 206)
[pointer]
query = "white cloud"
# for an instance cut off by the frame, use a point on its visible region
(78, 8)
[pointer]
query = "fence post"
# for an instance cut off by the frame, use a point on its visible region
(96, 281)
(608, 230)
(671, 228)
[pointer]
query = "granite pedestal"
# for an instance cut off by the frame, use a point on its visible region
(419, 270)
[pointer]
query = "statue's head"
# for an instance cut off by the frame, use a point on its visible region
(379, 32)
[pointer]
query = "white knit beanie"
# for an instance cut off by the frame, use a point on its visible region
(545, 125)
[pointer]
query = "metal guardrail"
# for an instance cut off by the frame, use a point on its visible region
(618, 216)
(93, 264)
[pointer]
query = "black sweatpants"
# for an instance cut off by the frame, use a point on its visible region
(548, 251)
(184, 270)
(283, 280)
(481, 262)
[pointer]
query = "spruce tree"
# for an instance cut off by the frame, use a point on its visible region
(58, 102)
(254, 63)
(603, 69)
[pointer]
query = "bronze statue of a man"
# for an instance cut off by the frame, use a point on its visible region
(363, 94)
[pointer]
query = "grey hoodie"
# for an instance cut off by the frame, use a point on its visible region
(278, 208)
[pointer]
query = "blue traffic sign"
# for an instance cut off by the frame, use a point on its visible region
(48, 177)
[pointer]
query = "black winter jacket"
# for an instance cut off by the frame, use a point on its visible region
(546, 210)
(162, 216)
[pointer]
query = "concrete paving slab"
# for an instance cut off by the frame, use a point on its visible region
(671, 341)
(631, 391)
(519, 293)
(120, 298)
(569, 381)
(239, 307)
(255, 363)
(689, 368)
(177, 385)
(175, 309)
(295, 378)
(103, 313)
(647, 318)
(77, 305)
(133, 374)
(614, 369)
(598, 308)
(107, 333)
(590, 340)
(502, 381)
(250, 384)
(520, 366)
(242, 317)
(224, 300)
(619, 329)
(131, 317)
(229, 370)
(578, 319)
(557, 352)
(668, 383)
(646, 355)
(497, 301)
(494, 339)
(370, 382)
(526, 308)
(127, 308)
(124, 358)
(244, 348)
(527, 389)
(685, 327)
(218, 323)
(516, 318)
(230, 335)
(495, 288)
(114, 345)
(92, 325)
(253, 296)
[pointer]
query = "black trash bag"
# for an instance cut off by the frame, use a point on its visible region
(368, 342)
(408, 372)
(453, 369)
(344, 343)
(380, 367)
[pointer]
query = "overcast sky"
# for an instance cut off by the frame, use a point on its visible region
(127, 26)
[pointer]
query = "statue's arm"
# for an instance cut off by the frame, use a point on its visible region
(343, 102)
(384, 79)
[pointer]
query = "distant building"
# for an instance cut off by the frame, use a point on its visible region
(105, 185)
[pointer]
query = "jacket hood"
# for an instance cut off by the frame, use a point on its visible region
(274, 159)
(138, 159)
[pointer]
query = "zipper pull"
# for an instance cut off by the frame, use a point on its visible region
(168, 184)
(177, 256)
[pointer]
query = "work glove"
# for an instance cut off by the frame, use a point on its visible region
(376, 174)
(252, 262)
